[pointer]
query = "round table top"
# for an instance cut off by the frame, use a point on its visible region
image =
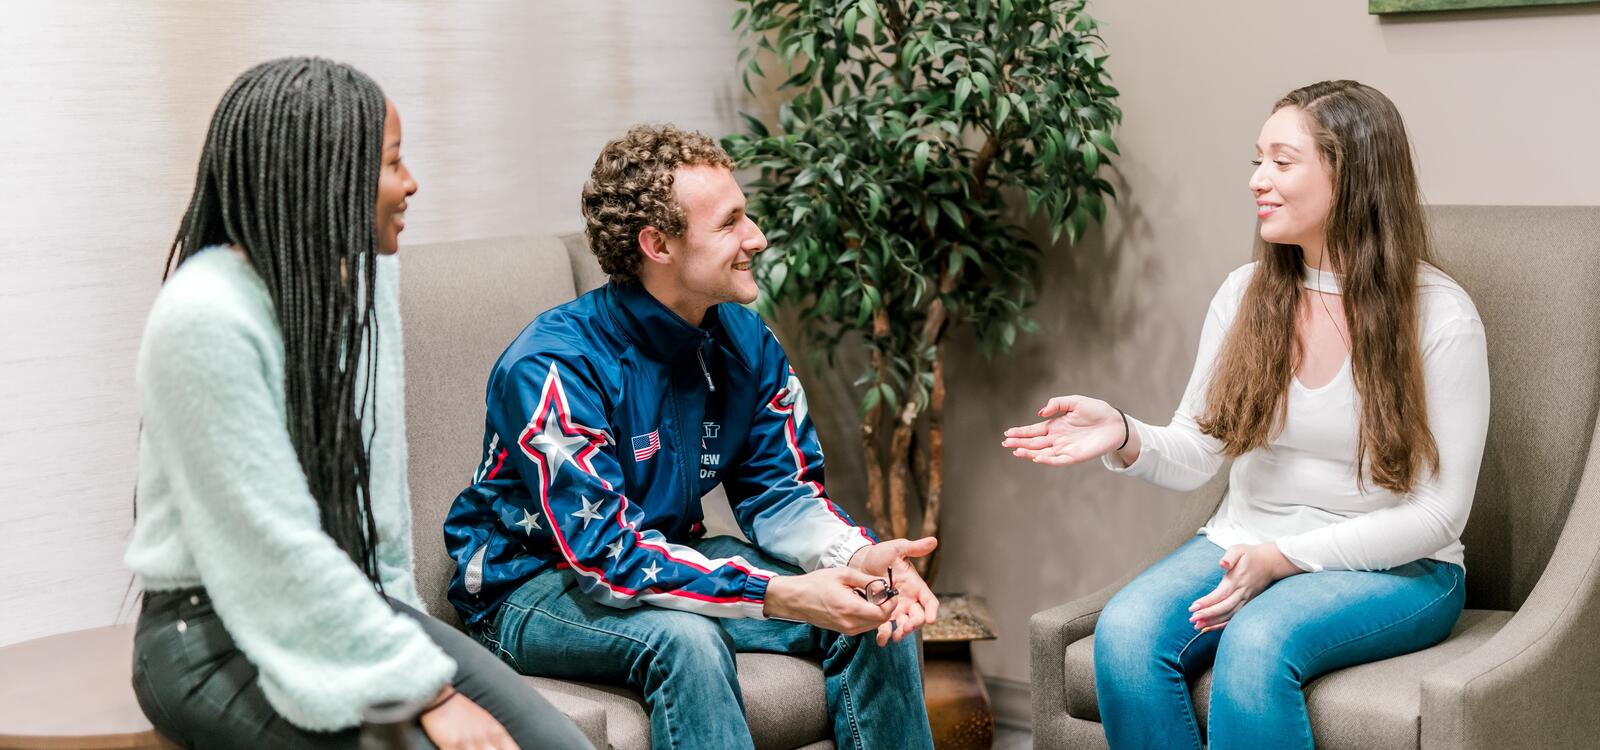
(73, 690)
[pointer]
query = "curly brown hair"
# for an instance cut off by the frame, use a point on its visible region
(630, 188)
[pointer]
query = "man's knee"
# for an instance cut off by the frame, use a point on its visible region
(685, 636)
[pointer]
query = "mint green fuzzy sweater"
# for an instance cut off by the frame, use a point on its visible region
(223, 502)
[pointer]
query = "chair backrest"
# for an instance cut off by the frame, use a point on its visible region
(462, 303)
(1533, 273)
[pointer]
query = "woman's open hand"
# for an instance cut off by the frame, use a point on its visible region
(1075, 429)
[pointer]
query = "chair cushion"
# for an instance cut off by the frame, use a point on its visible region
(784, 698)
(73, 690)
(1365, 706)
(462, 303)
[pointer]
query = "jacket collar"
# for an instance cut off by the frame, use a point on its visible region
(656, 330)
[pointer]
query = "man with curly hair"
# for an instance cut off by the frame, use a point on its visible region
(580, 547)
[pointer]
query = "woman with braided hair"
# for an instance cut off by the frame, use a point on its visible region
(273, 519)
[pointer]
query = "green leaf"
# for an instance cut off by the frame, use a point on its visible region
(1002, 110)
(954, 212)
(1020, 105)
(755, 125)
(738, 18)
(963, 89)
(1080, 222)
(869, 8)
(776, 274)
(1097, 206)
(1091, 156)
(850, 18)
(870, 400)
(889, 398)
(1103, 140)
(920, 157)
(982, 82)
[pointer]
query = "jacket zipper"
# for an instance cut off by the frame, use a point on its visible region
(699, 355)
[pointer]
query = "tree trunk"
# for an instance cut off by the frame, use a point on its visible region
(900, 469)
(929, 566)
(874, 460)
(870, 424)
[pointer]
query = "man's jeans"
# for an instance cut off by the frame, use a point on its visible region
(1300, 627)
(683, 662)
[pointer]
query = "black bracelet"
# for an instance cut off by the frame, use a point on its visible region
(1124, 429)
(453, 693)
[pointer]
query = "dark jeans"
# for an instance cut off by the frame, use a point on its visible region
(199, 691)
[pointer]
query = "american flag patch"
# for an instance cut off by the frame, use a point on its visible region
(645, 446)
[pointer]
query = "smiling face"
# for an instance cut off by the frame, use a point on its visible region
(711, 260)
(1292, 183)
(395, 185)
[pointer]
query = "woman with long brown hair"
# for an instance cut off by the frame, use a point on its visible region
(1347, 376)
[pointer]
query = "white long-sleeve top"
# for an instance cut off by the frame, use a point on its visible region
(1301, 490)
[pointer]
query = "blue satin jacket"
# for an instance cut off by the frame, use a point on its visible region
(607, 420)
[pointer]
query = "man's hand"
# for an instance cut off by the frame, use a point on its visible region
(916, 605)
(1251, 569)
(827, 599)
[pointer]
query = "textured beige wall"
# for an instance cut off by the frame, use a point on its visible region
(1501, 107)
(103, 107)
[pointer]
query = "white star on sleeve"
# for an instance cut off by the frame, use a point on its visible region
(556, 444)
(651, 571)
(616, 549)
(588, 513)
(529, 522)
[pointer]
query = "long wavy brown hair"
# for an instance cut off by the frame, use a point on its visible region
(1377, 237)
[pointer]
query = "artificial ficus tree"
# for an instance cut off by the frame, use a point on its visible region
(912, 131)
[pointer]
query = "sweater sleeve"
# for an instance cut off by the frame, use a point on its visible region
(1179, 456)
(1455, 373)
(325, 643)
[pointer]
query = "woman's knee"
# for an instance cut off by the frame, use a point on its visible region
(1129, 630)
(1255, 658)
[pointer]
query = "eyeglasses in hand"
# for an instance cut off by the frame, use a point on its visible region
(879, 591)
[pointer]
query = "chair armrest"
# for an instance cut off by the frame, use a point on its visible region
(1536, 683)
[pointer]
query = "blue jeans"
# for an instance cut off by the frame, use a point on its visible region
(682, 663)
(1303, 626)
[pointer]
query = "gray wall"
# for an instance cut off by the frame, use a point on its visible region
(103, 107)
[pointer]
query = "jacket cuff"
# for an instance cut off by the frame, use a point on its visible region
(755, 594)
(838, 554)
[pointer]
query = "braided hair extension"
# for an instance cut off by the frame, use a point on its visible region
(289, 174)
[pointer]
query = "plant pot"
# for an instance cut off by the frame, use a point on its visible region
(959, 711)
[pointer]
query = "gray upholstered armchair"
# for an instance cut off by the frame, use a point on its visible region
(1522, 668)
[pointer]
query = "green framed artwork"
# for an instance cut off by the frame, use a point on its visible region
(1379, 7)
